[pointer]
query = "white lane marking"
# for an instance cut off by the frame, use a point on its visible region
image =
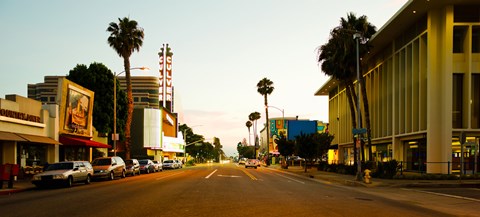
(169, 175)
(229, 176)
(445, 195)
(290, 178)
(211, 174)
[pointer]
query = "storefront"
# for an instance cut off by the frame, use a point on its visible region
(27, 133)
(81, 149)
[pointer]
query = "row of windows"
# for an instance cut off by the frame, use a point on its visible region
(460, 102)
(462, 36)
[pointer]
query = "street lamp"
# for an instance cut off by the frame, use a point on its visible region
(357, 37)
(115, 136)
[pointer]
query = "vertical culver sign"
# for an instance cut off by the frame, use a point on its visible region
(161, 77)
(166, 84)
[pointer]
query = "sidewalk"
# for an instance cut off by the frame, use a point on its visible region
(375, 182)
(18, 186)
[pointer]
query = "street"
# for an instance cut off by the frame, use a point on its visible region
(228, 190)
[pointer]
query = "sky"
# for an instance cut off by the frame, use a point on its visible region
(221, 49)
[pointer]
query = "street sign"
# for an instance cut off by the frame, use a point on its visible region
(359, 131)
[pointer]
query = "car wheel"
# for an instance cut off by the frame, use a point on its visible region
(69, 182)
(88, 180)
(147, 171)
(112, 176)
(123, 174)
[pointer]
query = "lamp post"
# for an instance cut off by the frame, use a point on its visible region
(357, 37)
(115, 136)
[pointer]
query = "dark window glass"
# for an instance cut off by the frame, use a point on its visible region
(475, 101)
(457, 101)
(52, 99)
(476, 39)
(466, 13)
(144, 99)
(459, 34)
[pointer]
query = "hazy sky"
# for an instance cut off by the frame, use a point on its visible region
(222, 48)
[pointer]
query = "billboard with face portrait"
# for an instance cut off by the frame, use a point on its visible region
(76, 106)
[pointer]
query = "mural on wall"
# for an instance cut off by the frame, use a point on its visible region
(76, 105)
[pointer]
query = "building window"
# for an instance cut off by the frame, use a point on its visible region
(466, 13)
(476, 39)
(457, 101)
(144, 99)
(44, 99)
(459, 35)
(416, 155)
(475, 101)
(135, 99)
(52, 99)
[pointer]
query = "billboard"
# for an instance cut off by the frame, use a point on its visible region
(152, 128)
(76, 108)
(297, 127)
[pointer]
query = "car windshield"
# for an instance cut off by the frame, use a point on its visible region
(100, 162)
(129, 162)
(143, 161)
(168, 161)
(60, 166)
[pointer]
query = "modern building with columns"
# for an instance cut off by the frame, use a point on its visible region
(423, 84)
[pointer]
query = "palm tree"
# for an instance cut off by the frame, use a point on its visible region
(265, 88)
(366, 29)
(125, 38)
(338, 59)
(253, 117)
(249, 124)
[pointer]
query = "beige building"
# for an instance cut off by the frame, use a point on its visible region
(28, 133)
(423, 85)
(145, 91)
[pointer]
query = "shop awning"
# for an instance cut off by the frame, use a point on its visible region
(7, 136)
(38, 139)
(82, 142)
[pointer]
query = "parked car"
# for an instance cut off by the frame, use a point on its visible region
(158, 165)
(169, 164)
(108, 167)
(132, 167)
(179, 163)
(64, 173)
(251, 163)
(146, 166)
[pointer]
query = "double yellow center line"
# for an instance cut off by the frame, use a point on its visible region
(249, 175)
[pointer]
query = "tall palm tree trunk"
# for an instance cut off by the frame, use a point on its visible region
(267, 128)
(367, 117)
(128, 124)
(350, 97)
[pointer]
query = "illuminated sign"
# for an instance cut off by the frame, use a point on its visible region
(161, 78)
(168, 79)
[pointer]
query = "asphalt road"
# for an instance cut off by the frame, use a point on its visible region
(227, 190)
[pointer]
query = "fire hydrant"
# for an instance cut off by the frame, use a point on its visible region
(367, 176)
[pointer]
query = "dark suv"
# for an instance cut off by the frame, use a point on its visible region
(108, 167)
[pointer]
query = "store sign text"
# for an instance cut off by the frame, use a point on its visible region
(19, 115)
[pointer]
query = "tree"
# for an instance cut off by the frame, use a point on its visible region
(99, 79)
(265, 88)
(253, 117)
(305, 147)
(125, 38)
(248, 124)
(190, 138)
(338, 59)
(285, 147)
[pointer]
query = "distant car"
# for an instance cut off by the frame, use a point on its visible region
(64, 173)
(169, 164)
(157, 165)
(179, 163)
(132, 167)
(251, 163)
(146, 166)
(242, 161)
(108, 167)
